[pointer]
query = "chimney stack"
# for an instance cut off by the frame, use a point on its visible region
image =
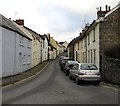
(20, 22)
(101, 13)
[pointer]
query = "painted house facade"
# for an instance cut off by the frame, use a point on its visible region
(38, 45)
(16, 49)
(64, 45)
(45, 48)
(52, 47)
(51, 52)
(22, 28)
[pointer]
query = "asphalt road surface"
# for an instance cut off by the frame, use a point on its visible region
(51, 86)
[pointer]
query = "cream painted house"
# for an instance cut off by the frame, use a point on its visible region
(37, 47)
(65, 44)
(45, 48)
(92, 35)
(52, 51)
(61, 48)
(86, 46)
(52, 47)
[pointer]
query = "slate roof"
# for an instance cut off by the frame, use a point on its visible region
(8, 24)
(51, 46)
(34, 33)
(61, 43)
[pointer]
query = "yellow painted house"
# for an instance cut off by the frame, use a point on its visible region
(53, 42)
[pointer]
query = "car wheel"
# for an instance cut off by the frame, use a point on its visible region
(97, 83)
(70, 76)
(77, 81)
(66, 73)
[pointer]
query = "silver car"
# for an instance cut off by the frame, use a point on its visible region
(85, 72)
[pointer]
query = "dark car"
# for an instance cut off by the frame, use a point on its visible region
(62, 62)
(61, 58)
(68, 65)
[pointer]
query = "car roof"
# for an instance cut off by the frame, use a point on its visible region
(86, 63)
(65, 57)
(71, 61)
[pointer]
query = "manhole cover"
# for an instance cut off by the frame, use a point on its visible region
(60, 92)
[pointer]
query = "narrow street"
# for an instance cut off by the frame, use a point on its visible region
(51, 86)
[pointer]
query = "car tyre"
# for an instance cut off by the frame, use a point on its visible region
(66, 73)
(97, 83)
(77, 81)
(70, 76)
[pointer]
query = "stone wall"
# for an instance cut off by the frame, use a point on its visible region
(110, 47)
(112, 70)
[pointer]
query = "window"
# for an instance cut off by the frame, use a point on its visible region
(28, 44)
(75, 67)
(94, 35)
(21, 40)
(88, 67)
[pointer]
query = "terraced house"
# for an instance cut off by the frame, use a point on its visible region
(99, 43)
(16, 48)
(20, 25)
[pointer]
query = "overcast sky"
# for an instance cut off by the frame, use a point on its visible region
(63, 19)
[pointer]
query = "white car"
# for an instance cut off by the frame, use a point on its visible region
(85, 72)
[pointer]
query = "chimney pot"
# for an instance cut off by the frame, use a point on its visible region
(20, 22)
(109, 8)
(106, 7)
(100, 8)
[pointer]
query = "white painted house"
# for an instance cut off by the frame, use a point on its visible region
(37, 42)
(23, 29)
(16, 49)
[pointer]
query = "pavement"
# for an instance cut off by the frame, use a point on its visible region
(24, 75)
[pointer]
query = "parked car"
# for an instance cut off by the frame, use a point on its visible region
(68, 65)
(61, 58)
(62, 63)
(85, 72)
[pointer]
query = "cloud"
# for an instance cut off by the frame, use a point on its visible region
(64, 19)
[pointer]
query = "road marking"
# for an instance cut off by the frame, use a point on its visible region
(25, 78)
(110, 87)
